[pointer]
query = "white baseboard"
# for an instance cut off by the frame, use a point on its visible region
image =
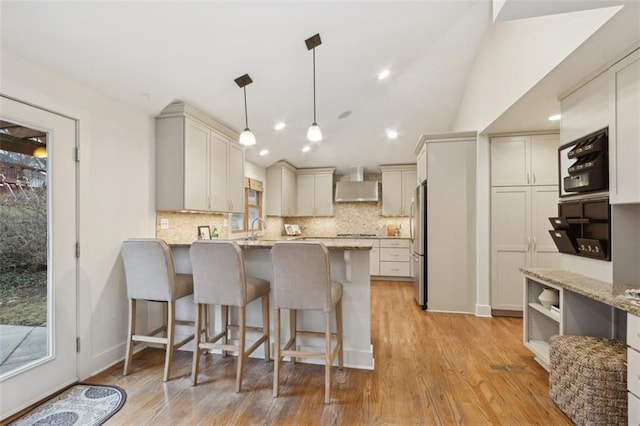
(483, 310)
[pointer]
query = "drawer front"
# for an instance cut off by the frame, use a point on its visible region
(394, 254)
(395, 269)
(403, 243)
(633, 371)
(634, 410)
(633, 331)
(374, 241)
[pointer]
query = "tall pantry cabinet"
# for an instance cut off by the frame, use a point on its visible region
(524, 194)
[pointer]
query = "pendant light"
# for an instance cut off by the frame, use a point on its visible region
(246, 137)
(314, 134)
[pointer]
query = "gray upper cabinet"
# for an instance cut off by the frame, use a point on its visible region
(282, 197)
(524, 160)
(315, 192)
(398, 188)
(199, 167)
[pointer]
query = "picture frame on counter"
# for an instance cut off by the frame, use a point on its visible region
(204, 232)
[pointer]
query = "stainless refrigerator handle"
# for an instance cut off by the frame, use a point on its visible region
(413, 203)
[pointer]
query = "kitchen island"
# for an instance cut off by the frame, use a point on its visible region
(349, 262)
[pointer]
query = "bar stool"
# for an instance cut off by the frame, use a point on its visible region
(151, 276)
(219, 279)
(302, 280)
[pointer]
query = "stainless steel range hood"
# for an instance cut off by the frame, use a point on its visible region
(356, 189)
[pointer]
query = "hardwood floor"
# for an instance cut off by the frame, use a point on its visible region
(430, 368)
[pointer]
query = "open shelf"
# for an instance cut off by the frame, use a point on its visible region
(544, 311)
(540, 349)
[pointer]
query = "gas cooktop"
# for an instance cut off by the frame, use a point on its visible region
(355, 235)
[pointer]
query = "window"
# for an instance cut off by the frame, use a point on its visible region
(242, 222)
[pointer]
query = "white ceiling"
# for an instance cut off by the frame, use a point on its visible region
(151, 53)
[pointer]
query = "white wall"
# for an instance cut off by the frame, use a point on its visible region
(116, 196)
(515, 55)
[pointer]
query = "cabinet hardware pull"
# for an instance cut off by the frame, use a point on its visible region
(528, 178)
(535, 242)
(534, 178)
(528, 243)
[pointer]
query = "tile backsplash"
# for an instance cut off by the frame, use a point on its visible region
(362, 218)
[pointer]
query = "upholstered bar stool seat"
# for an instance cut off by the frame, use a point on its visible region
(151, 276)
(302, 280)
(219, 279)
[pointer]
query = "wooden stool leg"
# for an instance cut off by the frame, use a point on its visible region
(293, 316)
(224, 309)
(339, 333)
(241, 345)
(171, 329)
(196, 344)
(276, 358)
(128, 360)
(327, 357)
(265, 326)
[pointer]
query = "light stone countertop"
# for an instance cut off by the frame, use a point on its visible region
(607, 293)
(267, 244)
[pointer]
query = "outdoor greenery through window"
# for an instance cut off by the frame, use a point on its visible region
(23, 228)
(246, 222)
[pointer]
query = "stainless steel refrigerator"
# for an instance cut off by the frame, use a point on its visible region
(418, 234)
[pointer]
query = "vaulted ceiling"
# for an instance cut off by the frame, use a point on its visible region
(150, 54)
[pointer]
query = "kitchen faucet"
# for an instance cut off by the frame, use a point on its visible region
(254, 233)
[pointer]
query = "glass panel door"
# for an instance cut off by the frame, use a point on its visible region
(38, 266)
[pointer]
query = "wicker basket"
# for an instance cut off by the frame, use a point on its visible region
(588, 379)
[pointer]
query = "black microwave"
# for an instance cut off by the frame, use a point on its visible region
(584, 164)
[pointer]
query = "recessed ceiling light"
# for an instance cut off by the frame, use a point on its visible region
(264, 152)
(383, 74)
(280, 125)
(306, 148)
(555, 117)
(392, 134)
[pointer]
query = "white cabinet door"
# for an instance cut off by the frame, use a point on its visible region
(510, 243)
(218, 183)
(196, 165)
(544, 204)
(306, 195)
(524, 160)
(235, 173)
(544, 159)
(392, 193)
(409, 179)
(289, 195)
(624, 136)
(398, 187)
(281, 190)
(520, 238)
(509, 161)
(323, 195)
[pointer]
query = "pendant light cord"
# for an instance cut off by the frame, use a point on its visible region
(314, 85)
(246, 115)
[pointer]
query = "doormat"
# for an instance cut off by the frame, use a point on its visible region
(81, 404)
